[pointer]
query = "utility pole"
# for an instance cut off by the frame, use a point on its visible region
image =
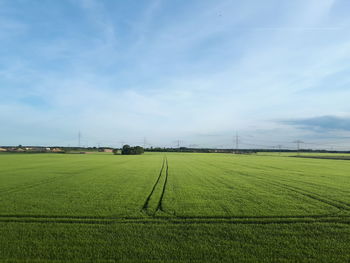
(233, 143)
(79, 138)
(178, 143)
(298, 142)
(279, 148)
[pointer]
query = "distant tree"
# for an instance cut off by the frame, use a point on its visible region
(127, 150)
(138, 150)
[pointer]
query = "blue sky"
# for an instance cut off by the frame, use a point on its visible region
(197, 71)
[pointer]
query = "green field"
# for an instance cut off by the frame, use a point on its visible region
(173, 208)
(304, 154)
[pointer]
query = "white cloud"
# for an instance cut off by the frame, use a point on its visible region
(208, 70)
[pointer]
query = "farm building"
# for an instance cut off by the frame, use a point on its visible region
(56, 150)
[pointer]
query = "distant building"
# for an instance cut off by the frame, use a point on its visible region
(108, 150)
(34, 149)
(56, 150)
(3, 150)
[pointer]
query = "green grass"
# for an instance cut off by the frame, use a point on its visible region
(173, 207)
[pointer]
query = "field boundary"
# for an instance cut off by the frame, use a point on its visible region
(345, 219)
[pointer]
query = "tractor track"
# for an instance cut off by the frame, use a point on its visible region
(164, 173)
(70, 217)
(160, 202)
(146, 203)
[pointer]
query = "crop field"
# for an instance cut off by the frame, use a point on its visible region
(304, 154)
(173, 207)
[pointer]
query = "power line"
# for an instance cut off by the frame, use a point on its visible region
(298, 142)
(237, 142)
(79, 138)
(178, 143)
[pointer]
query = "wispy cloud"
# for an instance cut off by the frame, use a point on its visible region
(169, 70)
(322, 123)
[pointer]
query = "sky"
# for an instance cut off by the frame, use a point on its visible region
(167, 72)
